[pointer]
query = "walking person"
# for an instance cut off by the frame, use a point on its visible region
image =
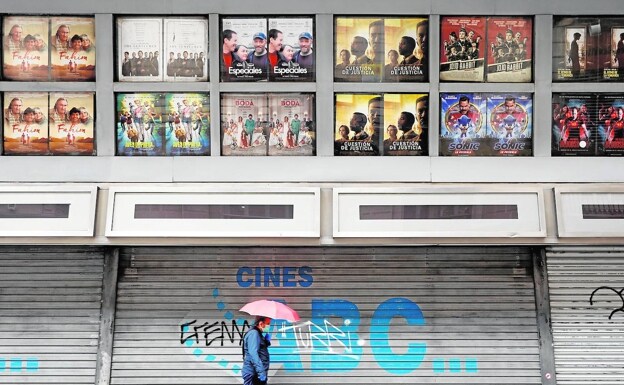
(256, 352)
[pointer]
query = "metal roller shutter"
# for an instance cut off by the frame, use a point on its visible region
(369, 315)
(588, 336)
(49, 314)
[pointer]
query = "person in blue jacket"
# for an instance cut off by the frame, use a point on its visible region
(256, 352)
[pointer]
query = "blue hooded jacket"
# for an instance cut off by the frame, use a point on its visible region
(255, 353)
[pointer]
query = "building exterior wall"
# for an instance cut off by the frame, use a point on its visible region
(324, 167)
(501, 335)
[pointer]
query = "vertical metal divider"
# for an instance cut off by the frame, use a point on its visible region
(544, 326)
(104, 98)
(107, 318)
(434, 85)
(542, 77)
(214, 55)
(324, 84)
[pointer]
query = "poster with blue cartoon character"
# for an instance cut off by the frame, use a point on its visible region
(462, 128)
(510, 124)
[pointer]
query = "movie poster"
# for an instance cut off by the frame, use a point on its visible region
(463, 48)
(186, 49)
(614, 70)
(295, 59)
(292, 124)
(406, 124)
(406, 49)
(246, 53)
(139, 124)
(358, 122)
(25, 48)
(139, 45)
(574, 129)
(610, 121)
(463, 125)
(359, 50)
(570, 45)
(71, 124)
(25, 124)
(510, 57)
(72, 48)
(611, 48)
(186, 121)
(245, 124)
(510, 124)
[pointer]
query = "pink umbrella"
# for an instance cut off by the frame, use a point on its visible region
(271, 309)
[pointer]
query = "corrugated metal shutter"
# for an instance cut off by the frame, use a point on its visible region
(49, 314)
(359, 307)
(589, 347)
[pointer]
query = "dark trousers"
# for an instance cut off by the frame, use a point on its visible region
(252, 379)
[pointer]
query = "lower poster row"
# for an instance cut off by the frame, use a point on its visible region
(472, 124)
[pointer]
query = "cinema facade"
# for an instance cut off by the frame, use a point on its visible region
(130, 267)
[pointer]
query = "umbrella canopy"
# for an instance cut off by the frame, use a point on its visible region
(271, 309)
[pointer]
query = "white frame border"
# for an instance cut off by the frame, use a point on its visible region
(436, 233)
(589, 230)
(314, 212)
(35, 189)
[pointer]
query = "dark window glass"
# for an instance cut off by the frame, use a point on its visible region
(379, 212)
(23, 211)
(162, 211)
(603, 211)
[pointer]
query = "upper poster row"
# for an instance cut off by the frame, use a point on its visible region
(366, 49)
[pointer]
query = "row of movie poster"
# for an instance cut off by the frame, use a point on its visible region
(588, 48)
(361, 118)
(381, 49)
(588, 124)
(39, 48)
(367, 49)
(162, 49)
(486, 124)
(43, 123)
(494, 49)
(260, 49)
(163, 124)
(268, 124)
